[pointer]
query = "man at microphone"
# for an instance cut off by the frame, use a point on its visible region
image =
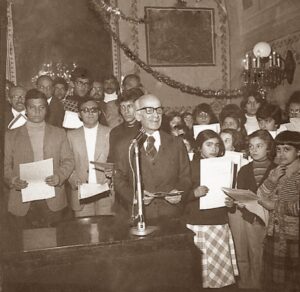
(164, 165)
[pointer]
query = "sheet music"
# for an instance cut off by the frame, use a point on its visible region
(91, 189)
(249, 199)
(35, 174)
(71, 120)
(215, 173)
(199, 128)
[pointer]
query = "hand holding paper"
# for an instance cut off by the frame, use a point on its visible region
(52, 180)
(19, 184)
(248, 200)
(35, 173)
(91, 189)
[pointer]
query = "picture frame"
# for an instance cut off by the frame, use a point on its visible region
(180, 36)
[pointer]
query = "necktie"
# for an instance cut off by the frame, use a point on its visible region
(150, 148)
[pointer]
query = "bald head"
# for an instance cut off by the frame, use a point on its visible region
(45, 84)
(149, 112)
(17, 98)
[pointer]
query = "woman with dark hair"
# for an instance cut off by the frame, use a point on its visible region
(210, 225)
(269, 118)
(250, 104)
(280, 195)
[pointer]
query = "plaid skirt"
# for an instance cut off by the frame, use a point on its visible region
(219, 265)
(281, 271)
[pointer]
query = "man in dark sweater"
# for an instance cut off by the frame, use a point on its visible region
(55, 114)
(129, 128)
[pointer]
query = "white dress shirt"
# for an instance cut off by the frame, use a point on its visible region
(90, 135)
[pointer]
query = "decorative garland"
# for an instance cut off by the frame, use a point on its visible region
(135, 34)
(118, 13)
(208, 93)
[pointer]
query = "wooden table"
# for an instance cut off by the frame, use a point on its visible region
(108, 259)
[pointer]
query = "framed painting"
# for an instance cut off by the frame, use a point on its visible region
(180, 36)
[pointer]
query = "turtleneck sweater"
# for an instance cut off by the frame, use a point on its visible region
(36, 132)
(259, 169)
(251, 124)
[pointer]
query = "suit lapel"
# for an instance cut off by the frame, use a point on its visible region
(26, 145)
(99, 144)
(82, 145)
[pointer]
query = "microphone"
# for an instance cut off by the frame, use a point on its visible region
(139, 136)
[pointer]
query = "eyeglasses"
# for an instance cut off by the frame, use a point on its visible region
(91, 110)
(150, 110)
(82, 84)
(294, 111)
(203, 115)
(18, 96)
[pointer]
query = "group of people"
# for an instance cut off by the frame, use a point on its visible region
(88, 121)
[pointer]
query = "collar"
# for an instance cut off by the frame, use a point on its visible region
(91, 129)
(110, 97)
(49, 100)
(16, 113)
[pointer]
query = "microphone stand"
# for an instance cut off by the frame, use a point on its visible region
(140, 229)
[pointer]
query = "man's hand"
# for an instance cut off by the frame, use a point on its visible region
(19, 184)
(229, 203)
(173, 199)
(148, 198)
(52, 180)
(200, 191)
(108, 173)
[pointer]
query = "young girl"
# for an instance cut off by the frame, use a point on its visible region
(212, 233)
(232, 139)
(250, 105)
(269, 118)
(249, 230)
(280, 195)
(204, 115)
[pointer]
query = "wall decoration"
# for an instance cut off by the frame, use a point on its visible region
(161, 77)
(180, 36)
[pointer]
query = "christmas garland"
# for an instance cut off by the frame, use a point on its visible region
(117, 13)
(208, 93)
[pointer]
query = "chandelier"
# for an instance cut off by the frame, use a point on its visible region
(265, 69)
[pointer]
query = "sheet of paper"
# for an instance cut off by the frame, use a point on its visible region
(71, 120)
(240, 195)
(235, 157)
(249, 199)
(103, 165)
(35, 173)
(199, 128)
(91, 189)
(215, 173)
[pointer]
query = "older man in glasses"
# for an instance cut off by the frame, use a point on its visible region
(164, 165)
(89, 143)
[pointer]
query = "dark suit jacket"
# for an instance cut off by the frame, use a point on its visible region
(118, 134)
(169, 170)
(18, 150)
(56, 113)
(8, 115)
